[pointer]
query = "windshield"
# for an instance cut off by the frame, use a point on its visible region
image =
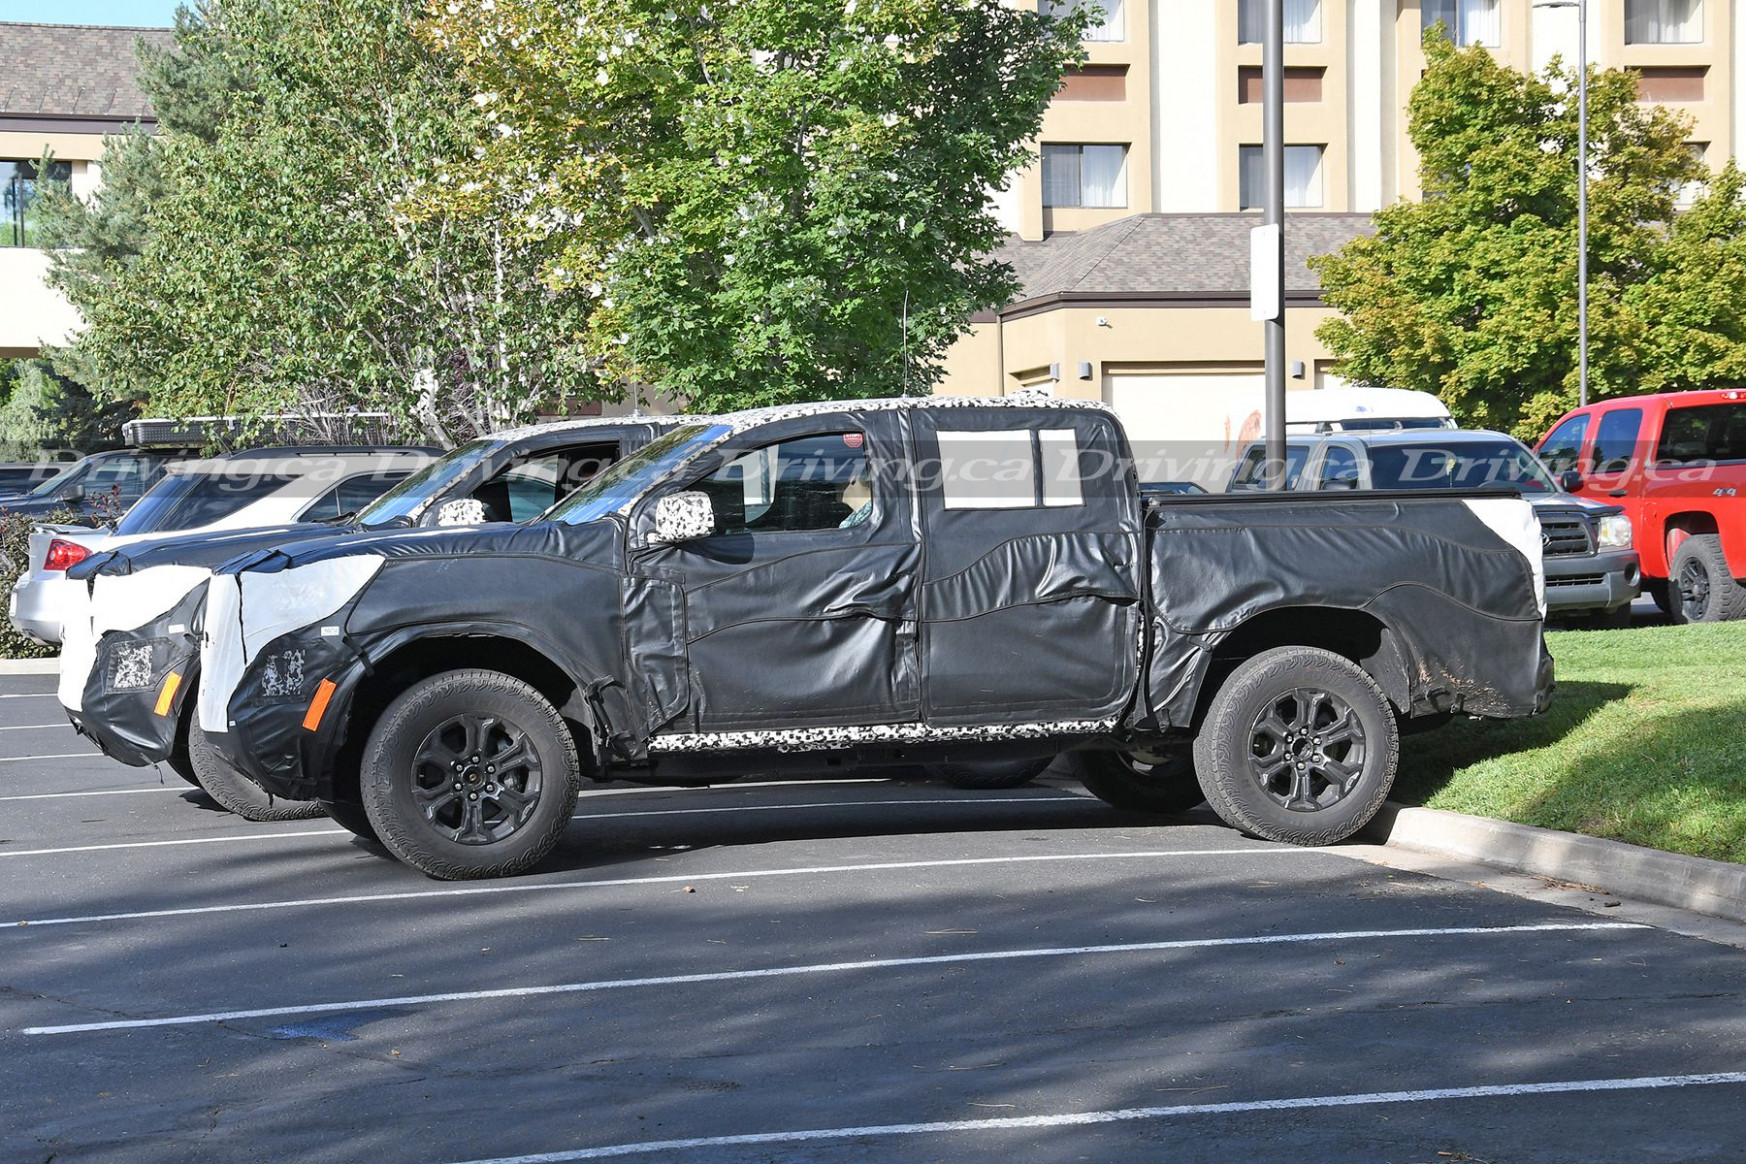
(55, 484)
(411, 494)
(623, 482)
(1469, 465)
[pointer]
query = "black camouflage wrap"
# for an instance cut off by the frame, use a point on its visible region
(1077, 623)
(124, 723)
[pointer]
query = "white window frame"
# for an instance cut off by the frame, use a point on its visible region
(1312, 189)
(1113, 26)
(1117, 196)
(1462, 30)
(1303, 21)
(1652, 17)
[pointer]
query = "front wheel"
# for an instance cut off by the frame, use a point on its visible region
(1299, 745)
(1144, 781)
(470, 774)
(237, 792)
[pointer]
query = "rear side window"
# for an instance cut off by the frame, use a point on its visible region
(1561, 449)
(1010, 470)
(1709, 432)
(1615, 440)
(351, 495)
(188, 502)
(1339, 469)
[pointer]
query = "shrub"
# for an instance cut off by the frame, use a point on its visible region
(14, 559)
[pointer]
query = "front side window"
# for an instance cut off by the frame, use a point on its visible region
(352, 496)
(1615, 441)
(1085, 175)
(624, 481)
(1708, 432)
(1109, 28)
(410, 495)
(1465, 21)
(1340, 469)
(23, 182)
(1303, 177)
(1664, 21)
(1303, 21)
(122, 478)
(1561, 449)
(1252, 470)
(808, 483)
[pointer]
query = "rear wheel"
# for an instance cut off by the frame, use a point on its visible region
(989, 774)
(1703, 589)
(350, 816)
(470, 774)
(237, 792)
(1145, 781)
(1299, 745)
(182, 764)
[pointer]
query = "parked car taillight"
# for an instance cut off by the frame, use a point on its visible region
(64, 554)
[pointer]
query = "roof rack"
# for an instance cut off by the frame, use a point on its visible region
(284, 429)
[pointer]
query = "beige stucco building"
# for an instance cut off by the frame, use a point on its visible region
(1155, 143)
(63, 88)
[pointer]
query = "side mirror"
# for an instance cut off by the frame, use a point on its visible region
(683, 517)
(464, 511)
(74, 494)
(1570, 480)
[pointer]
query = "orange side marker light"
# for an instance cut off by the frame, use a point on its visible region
(318, 705)
(172, 684)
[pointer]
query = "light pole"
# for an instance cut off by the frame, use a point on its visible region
(1581, 7)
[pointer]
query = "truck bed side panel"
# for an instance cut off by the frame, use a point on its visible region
(1457, 601)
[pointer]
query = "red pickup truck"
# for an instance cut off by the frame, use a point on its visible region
(1677, 463)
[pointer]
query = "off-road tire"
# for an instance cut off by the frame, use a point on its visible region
(1139, 781)
(1660, 592)
(989, 775)
(515, 818)
(237, 792)
(182, 764)
(1701, 589)
(1338, 708)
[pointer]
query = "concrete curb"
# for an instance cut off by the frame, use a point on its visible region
(1716, 888)
(49, 666)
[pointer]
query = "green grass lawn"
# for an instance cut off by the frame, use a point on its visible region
(1645, 742)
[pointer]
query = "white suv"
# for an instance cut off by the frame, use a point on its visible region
(261, 487)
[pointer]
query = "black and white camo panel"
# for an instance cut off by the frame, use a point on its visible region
(462, 511)
(826, 738)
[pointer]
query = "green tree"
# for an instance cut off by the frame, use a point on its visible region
(1471, 292)
(264, 260)
(765, 200)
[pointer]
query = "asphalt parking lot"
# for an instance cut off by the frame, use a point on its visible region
(831, 972)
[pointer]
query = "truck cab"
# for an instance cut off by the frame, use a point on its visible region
(1676, 464)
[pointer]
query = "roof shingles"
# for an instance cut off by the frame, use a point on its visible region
(74, 70)
(1171, 254)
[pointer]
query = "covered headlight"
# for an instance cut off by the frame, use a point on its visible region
(1613, 532)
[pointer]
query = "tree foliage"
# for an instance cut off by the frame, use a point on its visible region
(256, 256)
(763, 200)
(1471, 292)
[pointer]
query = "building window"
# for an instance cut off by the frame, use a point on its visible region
(1303, 177)
(1466, 21)
(1689, 192)
(1303, 21)
(1664, 21)
(22, 182)
(1109, 28)
(1085, 175)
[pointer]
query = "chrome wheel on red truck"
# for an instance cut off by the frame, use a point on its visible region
(470, 774)
(1299, 745)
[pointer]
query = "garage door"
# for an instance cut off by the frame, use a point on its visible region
(1189, 425)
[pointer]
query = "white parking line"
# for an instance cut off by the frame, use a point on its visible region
(838, 804)
(819, 968)
(29, 695)
(167, 844)
(97, 792)
(56, 756)
(1087, 1118)
(31, 727)
(674, 879)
